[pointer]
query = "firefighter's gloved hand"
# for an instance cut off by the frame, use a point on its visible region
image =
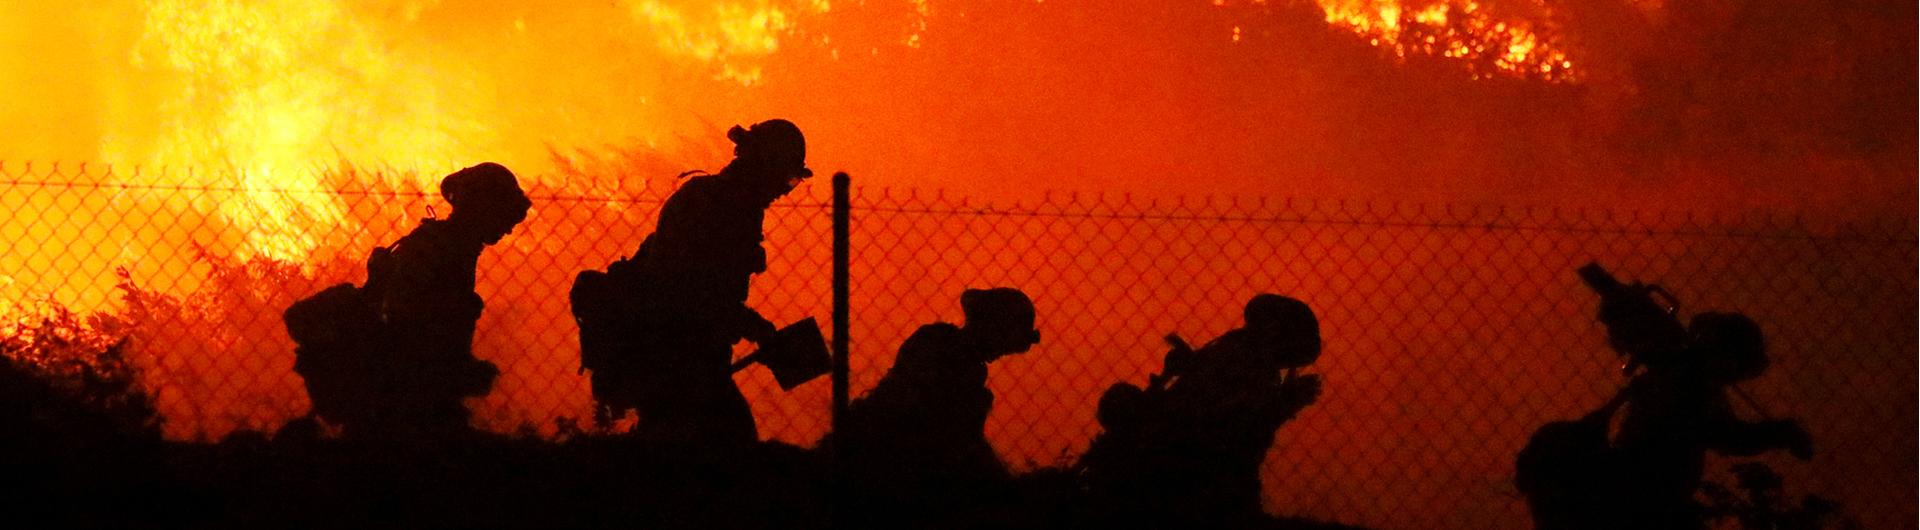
(758, 328)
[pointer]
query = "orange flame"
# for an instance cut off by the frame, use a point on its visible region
(260, 94)
(1460, 30)
(729, 35)
(263, 95)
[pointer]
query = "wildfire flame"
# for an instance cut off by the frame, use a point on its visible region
(1458, 30)
(270, 97)
(262, 95)
(729, 35)
(268, 90)
(266, 95)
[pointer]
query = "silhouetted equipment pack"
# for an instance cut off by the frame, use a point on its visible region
(1567, 465)
(597, 307)
(1578, 474)
(1643, 330)
(1564, 468)
(335, 333)
(796, 354)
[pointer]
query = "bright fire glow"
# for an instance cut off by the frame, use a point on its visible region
(594, 99)
(730, 35)
(265, 95)
(1461, 30)
(272, 91)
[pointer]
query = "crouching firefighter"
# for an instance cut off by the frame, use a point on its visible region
(393, 358)
(1671, 412)
(1186, 450)
(657, 329)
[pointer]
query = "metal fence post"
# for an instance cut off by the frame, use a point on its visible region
(841, 208)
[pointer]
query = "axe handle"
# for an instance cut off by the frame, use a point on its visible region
(744, 362)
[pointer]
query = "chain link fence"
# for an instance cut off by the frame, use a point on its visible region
(1451, 332)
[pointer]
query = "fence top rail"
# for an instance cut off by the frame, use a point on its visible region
(1100, 206)
(1391, 214)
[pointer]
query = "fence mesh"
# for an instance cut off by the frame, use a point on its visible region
(1451, 332)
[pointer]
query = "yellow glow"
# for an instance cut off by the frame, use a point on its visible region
(733, 36)
(265, 95)
(267, 92)
(1459, 30)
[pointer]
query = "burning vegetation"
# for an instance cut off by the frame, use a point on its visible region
(1482, 43)
(219, 159)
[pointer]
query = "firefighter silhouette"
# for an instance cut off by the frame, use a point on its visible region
(916, 445)
(394, 357)
(1671, 413)
(657, 329)
(1186, 450)
(1677, 412)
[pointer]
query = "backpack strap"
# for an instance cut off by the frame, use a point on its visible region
(380, 269)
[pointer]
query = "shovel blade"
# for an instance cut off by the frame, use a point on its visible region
(796, 354)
